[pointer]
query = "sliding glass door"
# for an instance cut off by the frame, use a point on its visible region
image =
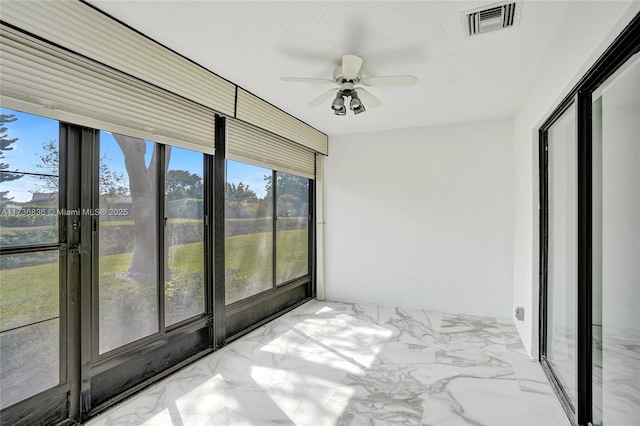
(34, 255)
(150, 282)
(616, 248)
(562, 253)
(590, 241)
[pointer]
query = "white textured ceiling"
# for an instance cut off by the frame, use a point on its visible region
(253, 44)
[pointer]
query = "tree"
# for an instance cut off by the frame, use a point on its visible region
(142, 187)
(237, 198)
(182, 184)
(289, 184)
(5, 145)
(292, 192)
(112, 183)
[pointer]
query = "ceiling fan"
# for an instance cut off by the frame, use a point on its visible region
(347, 76)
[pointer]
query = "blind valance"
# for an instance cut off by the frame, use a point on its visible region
(250, 144)
(41, 79)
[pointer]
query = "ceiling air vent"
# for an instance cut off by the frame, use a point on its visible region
(490, 18)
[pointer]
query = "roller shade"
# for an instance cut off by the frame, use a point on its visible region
(252, 145)
(254, 110)
(44, 80)
(82, 29)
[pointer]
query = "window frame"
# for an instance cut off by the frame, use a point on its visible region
(57, 402)
(274, 231)
(99, 390)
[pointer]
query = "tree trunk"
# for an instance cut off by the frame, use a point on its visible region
(144, 199)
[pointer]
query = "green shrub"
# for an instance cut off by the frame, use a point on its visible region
(236, 286)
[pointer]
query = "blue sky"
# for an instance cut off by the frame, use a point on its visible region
(249, 175)
(32, 131)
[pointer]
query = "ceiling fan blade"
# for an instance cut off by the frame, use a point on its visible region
(367, 98)
(307, 80)
(320, 99)
(392, 80)
(351, 66)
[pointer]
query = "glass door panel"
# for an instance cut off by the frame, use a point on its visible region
(562, 251)
(30, 326)
(128, 227)
(292, 227)
(184, 236)
(30, 261)
(249, 231)
(616, 248)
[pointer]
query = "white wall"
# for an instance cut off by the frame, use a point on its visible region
(422, 217)
(575, 48)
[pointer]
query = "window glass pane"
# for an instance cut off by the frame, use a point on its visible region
(31, 221)
(248, 229)
(128, 265)
(563, 242)
(29, 325)
(35, 147)
(184, 233)
(616, 249)
(292, 236)
(28, 179)
(29, 282)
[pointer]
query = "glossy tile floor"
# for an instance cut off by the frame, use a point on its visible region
(328, 363)
(616, 369)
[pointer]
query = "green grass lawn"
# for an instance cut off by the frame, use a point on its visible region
(30, 294)
(249, 264)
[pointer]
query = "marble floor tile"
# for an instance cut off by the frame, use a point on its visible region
(469, 400)
(542, 404)
(333, 363)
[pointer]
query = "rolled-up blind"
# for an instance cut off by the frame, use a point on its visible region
(250, 144)
(82, 29)
(41, 79)
(254, 110)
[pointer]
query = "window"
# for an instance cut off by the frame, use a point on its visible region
(130, 238)
(30, 280)
(184, 286)
(292, 227)
(248, 231)
(254, 234)
(128, 217)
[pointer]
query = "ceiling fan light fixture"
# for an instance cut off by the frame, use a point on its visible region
(347, 76)
(356, 104)
(338, 102)
(340, 111)
(358, 110)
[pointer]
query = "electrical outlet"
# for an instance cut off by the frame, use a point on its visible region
(520, 313)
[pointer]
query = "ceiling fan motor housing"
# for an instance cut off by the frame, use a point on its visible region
(339, 78)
